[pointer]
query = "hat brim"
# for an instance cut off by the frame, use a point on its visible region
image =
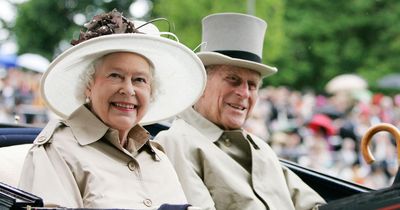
(214, 58)
(179, 72)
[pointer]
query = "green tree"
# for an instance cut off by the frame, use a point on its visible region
(186, 18)
(40, 31)
(327, 38)
(310, 41)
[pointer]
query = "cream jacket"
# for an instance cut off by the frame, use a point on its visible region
(79, 163)
(212, 179)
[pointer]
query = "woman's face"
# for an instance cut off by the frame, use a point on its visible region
(120, 91)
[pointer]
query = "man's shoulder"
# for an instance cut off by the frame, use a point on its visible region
(180, 126)
(177, 132)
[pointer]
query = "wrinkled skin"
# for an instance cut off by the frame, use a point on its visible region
(229, 97)
(120, 91)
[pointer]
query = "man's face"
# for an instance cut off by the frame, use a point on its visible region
(230, 95)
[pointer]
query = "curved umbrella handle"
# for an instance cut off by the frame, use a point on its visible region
(366, 152)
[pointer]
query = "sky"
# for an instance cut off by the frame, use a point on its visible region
(8, 14)
(7, 11)
(138, 8)
(8, 46)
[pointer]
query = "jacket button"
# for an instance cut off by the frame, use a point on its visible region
(227, 142)
(132, 165)
(147, 202)
(41, 139)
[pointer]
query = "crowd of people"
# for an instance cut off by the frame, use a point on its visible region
(285, 118)
(323, 132)
(20, 100)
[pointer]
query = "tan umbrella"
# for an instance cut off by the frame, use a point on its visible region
(346, 83)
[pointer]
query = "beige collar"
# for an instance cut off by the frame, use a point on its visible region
(87, 128)
(204, 126)
(209, 129)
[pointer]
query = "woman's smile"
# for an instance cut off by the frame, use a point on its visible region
(124, 106)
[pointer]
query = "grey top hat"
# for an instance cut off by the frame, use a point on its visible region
(234, 39)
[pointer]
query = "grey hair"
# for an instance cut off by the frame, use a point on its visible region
(210, 69)
(86, 77)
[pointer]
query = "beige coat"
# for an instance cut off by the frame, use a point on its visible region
(214, 180)
(80, 163)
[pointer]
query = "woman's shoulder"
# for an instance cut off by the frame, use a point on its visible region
(52, 129)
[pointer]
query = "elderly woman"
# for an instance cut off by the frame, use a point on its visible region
(118, 76)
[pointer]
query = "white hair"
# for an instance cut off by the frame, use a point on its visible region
(86, 77)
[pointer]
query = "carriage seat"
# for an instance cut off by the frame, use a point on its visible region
(14, 145)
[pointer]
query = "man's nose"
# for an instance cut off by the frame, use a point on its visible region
(243, 90)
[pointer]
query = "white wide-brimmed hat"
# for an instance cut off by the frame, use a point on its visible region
(179, 73)
(234, 39)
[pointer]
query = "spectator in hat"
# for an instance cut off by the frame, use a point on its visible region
(221, 165)
(105, 88)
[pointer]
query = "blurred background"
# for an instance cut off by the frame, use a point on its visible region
(337, 60)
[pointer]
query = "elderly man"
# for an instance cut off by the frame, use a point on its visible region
(220, 165)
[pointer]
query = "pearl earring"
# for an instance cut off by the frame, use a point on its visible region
(87, 100)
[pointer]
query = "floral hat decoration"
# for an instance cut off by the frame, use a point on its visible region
(179, 74)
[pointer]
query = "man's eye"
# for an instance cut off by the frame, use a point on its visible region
(233, 80)
(253, 87)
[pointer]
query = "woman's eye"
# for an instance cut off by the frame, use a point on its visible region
(140, 80)
(114, 75)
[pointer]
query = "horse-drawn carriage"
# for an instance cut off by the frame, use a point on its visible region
(339, 194)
